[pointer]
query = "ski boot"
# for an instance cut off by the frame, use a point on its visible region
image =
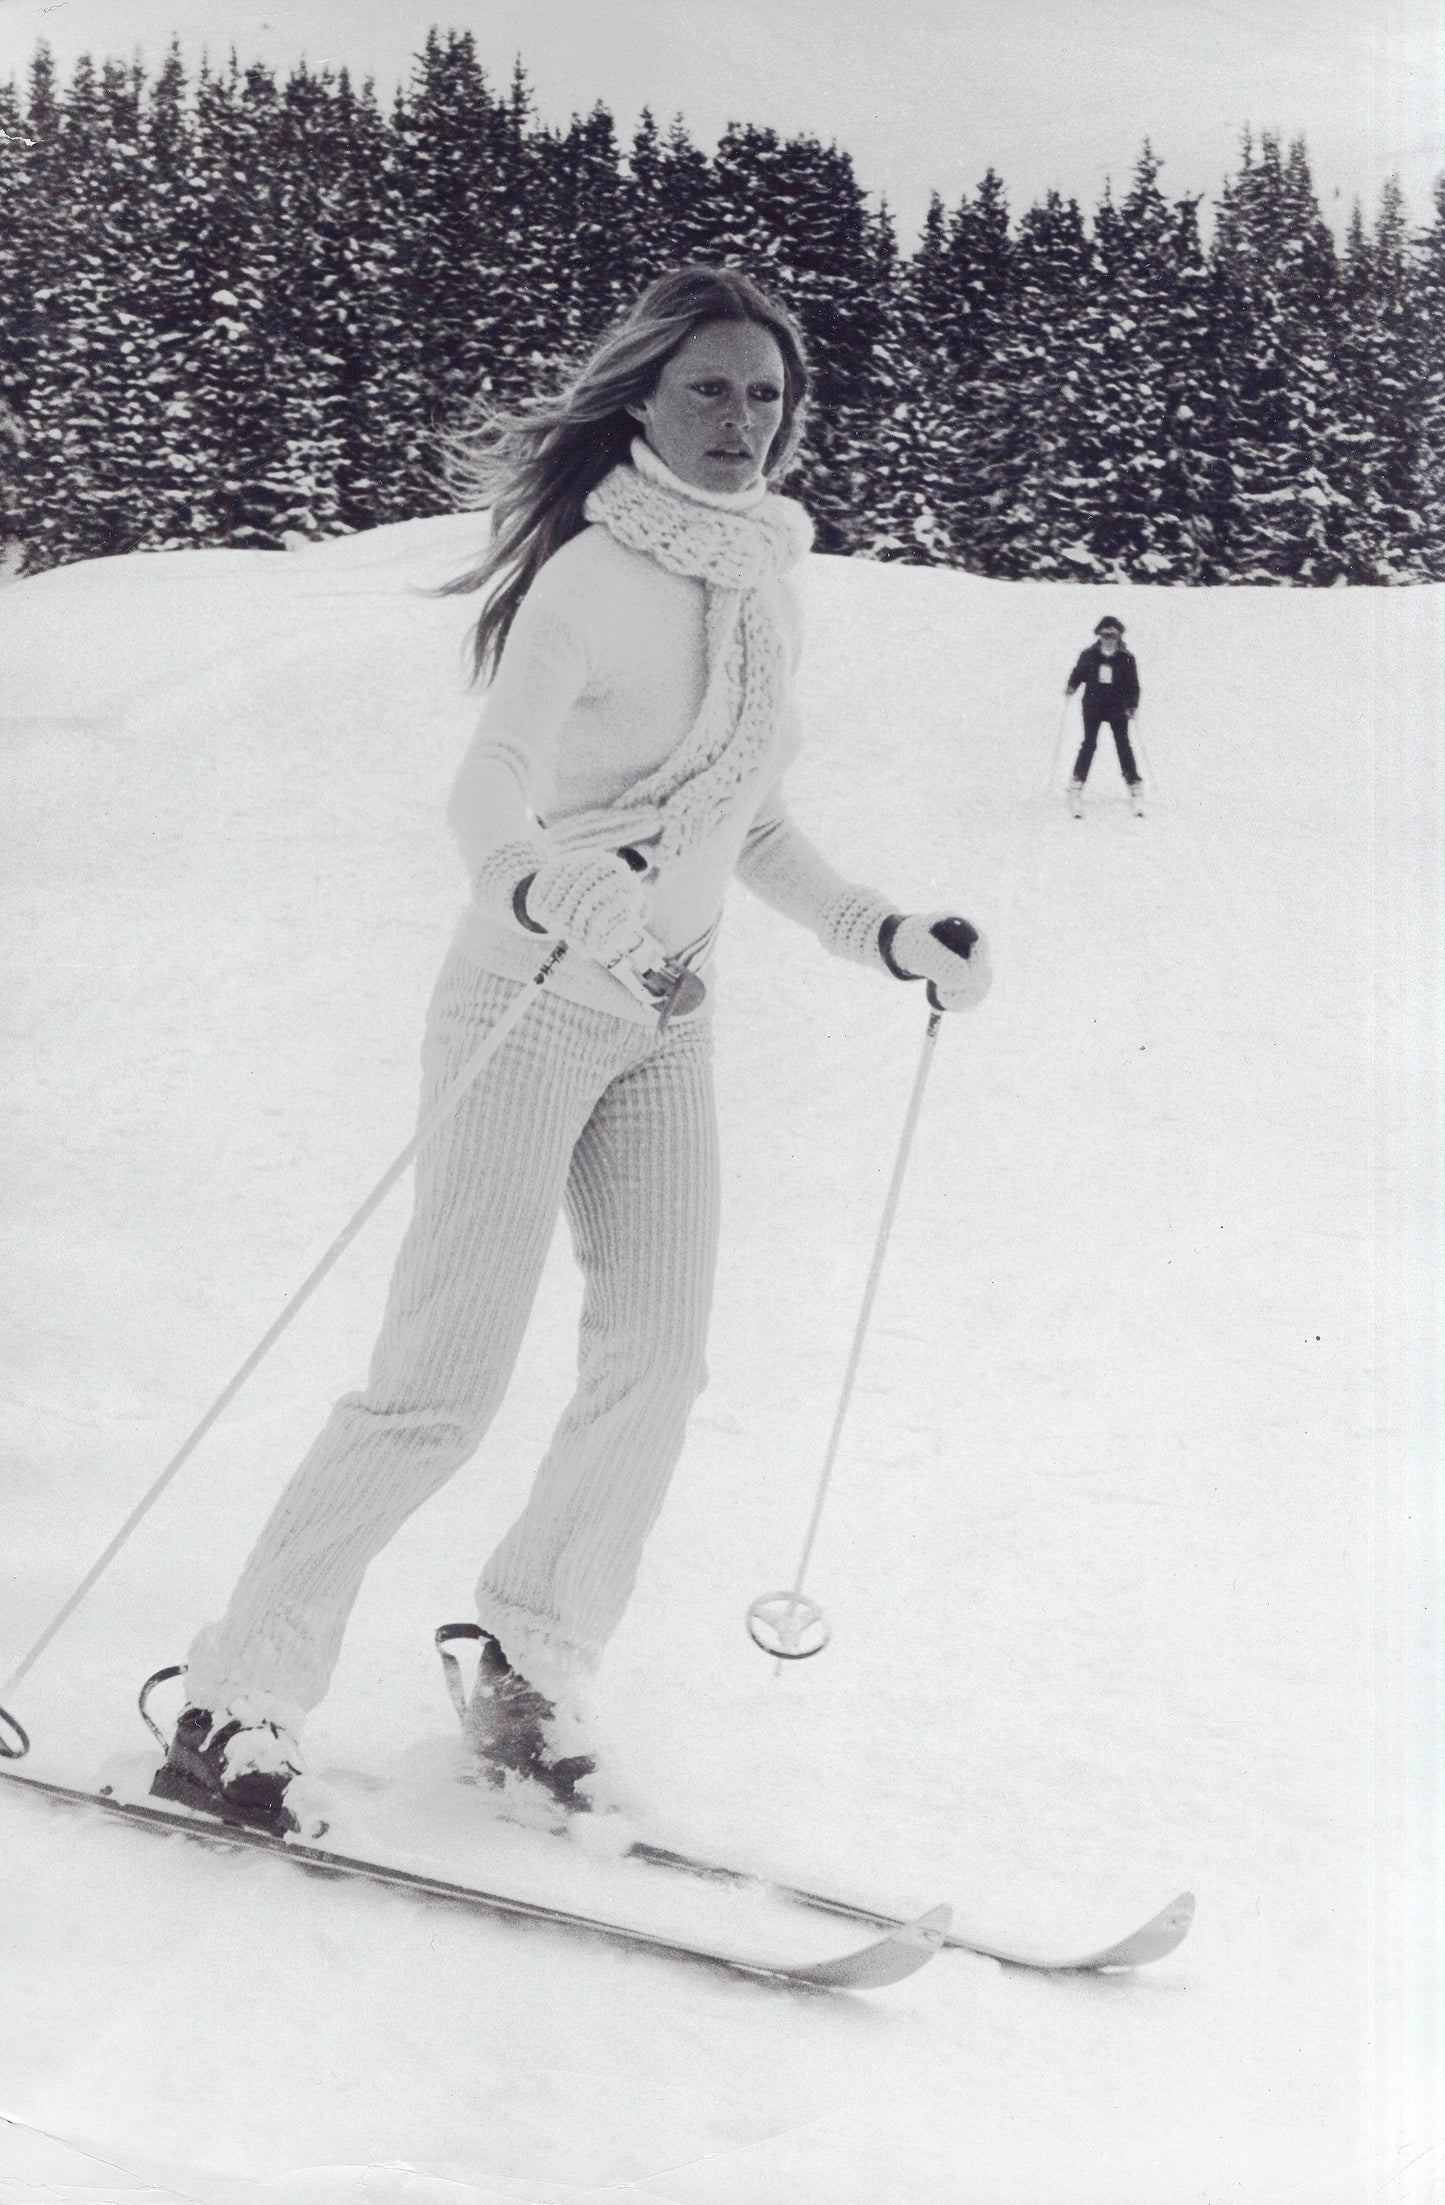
(1136, 798)
(510, 1729)
(237, 1770)
(1076, 798)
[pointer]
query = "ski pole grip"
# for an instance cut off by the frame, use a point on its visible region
(7, 1751)
(161, 1676)
(451, 1667)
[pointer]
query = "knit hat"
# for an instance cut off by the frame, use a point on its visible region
(1104, 626)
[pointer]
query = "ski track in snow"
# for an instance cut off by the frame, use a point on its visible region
(1097, 1550)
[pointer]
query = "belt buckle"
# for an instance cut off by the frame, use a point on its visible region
(675, 987)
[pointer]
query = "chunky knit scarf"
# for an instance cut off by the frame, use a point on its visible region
(737, 549)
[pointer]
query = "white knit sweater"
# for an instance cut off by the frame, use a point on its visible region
(601, 679)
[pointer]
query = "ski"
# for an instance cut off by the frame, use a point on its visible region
(901, 1952)
(1152, 1940)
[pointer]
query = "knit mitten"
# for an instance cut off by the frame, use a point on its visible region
(590, 898)
(496, 879)
(942, 949)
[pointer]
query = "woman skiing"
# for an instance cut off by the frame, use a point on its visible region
(640, 634)
(1109, 677)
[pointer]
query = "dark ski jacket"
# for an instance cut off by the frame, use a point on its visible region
(1117, 689)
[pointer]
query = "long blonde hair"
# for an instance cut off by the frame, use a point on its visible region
(535, 467)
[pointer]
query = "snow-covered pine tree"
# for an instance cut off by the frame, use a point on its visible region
(586, 205)
(1427, 291)
(918, 432)
(965, 282)
(1401, 362)
(18, 205)
(385, 470)
(238, 419)
(645, 197)
(487, 279)
(672, 214)
(952, 297)
(347, 359)
(859, 375)
(1283, 428)
(311, 302)
(177, 467)
(36, 250)
(1139, 469)
(533, 336)
(109, 460)
(1381, 370)
(1365, 535)
(922, 288)
(459, 179)
(1091, 454)
(1195, 480)
(1159, 509)
(895, 447)
(1014, 510)
(89, 411)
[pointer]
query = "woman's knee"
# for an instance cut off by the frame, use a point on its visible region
(441, 1429)
(667, 1365)
(681, 1371)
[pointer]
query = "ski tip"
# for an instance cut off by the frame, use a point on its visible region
(889, 1959)
(1157, 1938)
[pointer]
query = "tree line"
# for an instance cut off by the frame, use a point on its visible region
(238, 308)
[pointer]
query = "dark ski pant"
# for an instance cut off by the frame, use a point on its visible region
(1119, 722)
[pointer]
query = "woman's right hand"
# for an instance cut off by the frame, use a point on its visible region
(590, 898)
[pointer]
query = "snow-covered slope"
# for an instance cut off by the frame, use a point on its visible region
(1097, 1555)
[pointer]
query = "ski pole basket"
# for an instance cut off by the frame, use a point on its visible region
(7, 1751)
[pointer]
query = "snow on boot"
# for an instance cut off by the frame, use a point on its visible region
(1136, 798)
(237, 1770)
(512, 1730)
(1076, 798)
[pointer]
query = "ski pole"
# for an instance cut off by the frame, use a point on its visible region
(437, 1116)
(1053, 780)
(1141, 754)
(787, 1624)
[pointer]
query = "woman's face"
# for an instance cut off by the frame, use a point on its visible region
(717, 406)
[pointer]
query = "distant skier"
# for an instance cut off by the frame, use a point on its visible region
(640, 630)
(1109, 677)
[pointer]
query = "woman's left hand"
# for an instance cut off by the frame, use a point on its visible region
(944, 950)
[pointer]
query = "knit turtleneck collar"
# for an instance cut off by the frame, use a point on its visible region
(646, 461)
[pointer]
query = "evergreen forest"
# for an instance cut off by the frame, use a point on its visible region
(240, 310)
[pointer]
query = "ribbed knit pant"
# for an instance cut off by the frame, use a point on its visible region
(578, 1107)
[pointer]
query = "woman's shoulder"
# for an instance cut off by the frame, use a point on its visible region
(565, 595)
(593, 563)
(565, 574)
(790, 613)
(598, 586)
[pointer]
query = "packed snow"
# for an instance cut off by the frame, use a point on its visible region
(1098, 1550)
